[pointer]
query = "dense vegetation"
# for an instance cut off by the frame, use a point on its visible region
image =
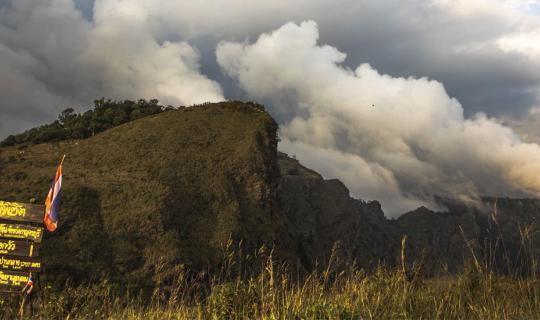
(105, 114)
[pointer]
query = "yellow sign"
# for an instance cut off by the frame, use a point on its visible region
(18, 248)
(21, 211)
(7, 246)
(13, 263)
(13, 279)
(21, 232)
(11, 210)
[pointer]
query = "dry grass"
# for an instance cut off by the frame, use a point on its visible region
(274, 292)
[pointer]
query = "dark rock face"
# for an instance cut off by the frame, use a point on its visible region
(501, 234)
(324, 217)
(437, 240)
(497, 233)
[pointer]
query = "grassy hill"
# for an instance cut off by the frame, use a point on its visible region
(148, 196)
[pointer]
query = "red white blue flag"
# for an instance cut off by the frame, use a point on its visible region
(52, 203)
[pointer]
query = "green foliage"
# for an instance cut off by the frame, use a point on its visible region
(106, 114)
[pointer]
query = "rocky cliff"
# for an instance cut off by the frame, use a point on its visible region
(323, 217)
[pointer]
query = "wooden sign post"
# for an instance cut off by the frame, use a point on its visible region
(21, 233)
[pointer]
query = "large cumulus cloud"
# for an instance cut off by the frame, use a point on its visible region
(51, 58)
(84, 49)
(415, 141)
(457, 42)
(378, 132)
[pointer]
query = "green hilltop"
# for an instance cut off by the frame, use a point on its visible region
(164, 190)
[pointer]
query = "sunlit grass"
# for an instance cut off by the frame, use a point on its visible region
(276, 293)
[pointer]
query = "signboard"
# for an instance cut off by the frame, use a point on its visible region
(21, 211)
(11, 281)
(21, 231)
(18, 248)
(19, 263)
(19, 244)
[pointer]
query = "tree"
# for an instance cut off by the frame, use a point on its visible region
(66, 115)
(106, 114)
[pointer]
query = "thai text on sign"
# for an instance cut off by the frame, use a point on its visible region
(13, 278)
(19, 263)
(21, 212)
(18, 248)
(20, 231)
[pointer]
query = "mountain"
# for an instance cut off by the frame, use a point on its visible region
(323, 217)
(147, 196)
(170, 190)
(501, 232)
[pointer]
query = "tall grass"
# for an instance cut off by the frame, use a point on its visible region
(261, 287)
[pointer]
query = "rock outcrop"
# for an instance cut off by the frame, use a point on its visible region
(323, 217)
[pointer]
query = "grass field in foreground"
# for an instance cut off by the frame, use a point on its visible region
(273, 294)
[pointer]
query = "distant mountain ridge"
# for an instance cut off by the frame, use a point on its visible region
(501, 233)
(167, 191)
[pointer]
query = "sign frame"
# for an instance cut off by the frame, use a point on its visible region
(21, 233)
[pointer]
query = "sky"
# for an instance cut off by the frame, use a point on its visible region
(400, 99)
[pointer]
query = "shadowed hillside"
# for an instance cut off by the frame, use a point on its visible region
(155, 193)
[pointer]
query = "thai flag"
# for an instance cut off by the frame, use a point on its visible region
(52, 203)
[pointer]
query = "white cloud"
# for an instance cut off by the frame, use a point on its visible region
(522, 34)
(525, 43)
(415, 140)
(147, 48)
(52, 58)
(135, 64)
(408, 128)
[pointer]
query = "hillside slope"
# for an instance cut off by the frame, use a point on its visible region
(155, 193)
